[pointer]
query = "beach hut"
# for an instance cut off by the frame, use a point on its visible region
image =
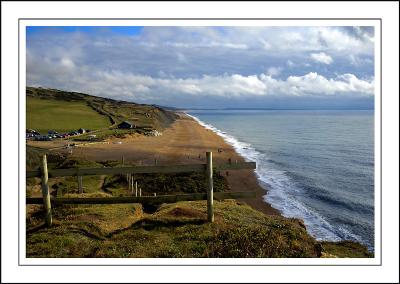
(125, 125)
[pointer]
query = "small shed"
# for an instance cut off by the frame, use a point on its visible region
(126, 125)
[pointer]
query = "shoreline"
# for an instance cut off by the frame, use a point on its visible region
(185, 141)
(258, 188)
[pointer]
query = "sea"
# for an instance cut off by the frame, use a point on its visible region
(318, 165)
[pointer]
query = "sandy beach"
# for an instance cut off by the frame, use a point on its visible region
(184, 142)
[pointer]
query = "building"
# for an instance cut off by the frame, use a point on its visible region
(126, 125)
(81, 130)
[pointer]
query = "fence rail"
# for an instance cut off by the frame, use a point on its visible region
(207, 169)
(140, 170)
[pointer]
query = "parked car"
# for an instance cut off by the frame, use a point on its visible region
(32, 131)
(43, 138)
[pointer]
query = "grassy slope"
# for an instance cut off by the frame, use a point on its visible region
(62, 116)
(175, 230)
(60, 110)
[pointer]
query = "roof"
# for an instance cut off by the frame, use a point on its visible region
(126, 122)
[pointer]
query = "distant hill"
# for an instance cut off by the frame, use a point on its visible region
(52, 109)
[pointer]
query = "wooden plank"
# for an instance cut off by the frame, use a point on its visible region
(30, 174)
(128, 170)
(141, 170)
(210, 188)
(145, 199)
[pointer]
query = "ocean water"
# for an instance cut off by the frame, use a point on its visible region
(317, 165)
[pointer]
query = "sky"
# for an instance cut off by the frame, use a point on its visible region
(208, 67)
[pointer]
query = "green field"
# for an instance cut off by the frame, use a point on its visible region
(62, 116)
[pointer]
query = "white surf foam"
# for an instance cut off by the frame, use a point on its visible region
(282, 191)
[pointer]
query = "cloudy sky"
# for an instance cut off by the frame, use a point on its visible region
(210, 67)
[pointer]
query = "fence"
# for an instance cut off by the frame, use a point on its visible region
(207, 168)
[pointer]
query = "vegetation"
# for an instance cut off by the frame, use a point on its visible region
(168, 230)
(117, 185)
(51, 109)
(345, 249)
(62, 116)
(174, 230)
(165, 183)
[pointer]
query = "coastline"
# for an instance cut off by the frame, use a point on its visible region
(183, 142)
(258, 203)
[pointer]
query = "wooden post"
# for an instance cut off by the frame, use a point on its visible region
(128, 181)
(155, 161)
(80, 184)
(132, 183)
(46, 193)
(140, 191)
(210, 189)
(136, 188)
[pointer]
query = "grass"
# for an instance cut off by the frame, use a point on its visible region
(345, 249)
(108, 133)
(65, 111)
(174, 230)
(165, 183)
(62, 116)
(169, 230)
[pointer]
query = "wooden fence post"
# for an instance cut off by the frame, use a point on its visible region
(45, 192)
(210, 189)
(128, 181)
(80, 184)
(132, 179)
(136, 188)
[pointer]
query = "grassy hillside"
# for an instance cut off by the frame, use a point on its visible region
(169, 230)
(62, 116)
(175, 230)
(65, 111)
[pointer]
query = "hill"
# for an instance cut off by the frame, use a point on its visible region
(51, 109)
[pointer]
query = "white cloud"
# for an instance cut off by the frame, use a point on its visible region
(67, 63)
(197, 62)
(321, 58)
(274, 71)
(143, 88)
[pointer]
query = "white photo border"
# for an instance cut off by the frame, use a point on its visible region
(23, 260)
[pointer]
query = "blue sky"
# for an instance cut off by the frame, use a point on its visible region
(251, 67)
